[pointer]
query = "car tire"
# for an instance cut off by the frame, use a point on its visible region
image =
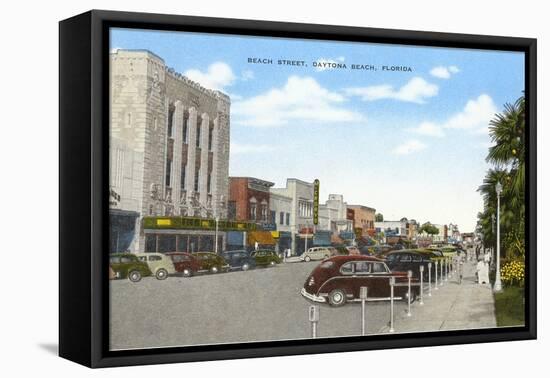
(337, 298)
(134, 276)
(307, 259)
(245, 267)
(187, 272)
(161, 274)
(326, 257)
(214, 270)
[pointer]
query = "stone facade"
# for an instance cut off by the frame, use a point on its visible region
(169, 140)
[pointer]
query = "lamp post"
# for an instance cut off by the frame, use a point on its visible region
(216, 237)
(498, 284)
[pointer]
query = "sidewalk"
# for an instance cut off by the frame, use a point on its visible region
(453, 306)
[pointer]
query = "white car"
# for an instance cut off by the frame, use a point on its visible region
(161, 265)
(318, 253)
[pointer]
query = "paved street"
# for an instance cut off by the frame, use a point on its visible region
(257, 305)
(265, 304)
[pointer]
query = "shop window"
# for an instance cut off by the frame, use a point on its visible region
(166, 243)
(150, 243)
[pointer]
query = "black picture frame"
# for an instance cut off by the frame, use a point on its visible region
(83, 196)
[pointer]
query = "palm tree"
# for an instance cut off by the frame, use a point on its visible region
(507, 131)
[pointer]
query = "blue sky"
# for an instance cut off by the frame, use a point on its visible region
(410, 144)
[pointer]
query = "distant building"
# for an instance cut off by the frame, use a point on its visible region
(299, 194)
(249, 200)
(333, 215)
(363, 219)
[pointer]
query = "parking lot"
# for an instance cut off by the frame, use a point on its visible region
(257, 305)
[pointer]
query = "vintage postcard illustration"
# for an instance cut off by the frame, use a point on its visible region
(267, 189)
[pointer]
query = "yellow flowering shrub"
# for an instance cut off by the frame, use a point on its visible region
(512, 273)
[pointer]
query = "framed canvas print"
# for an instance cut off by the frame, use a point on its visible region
(234, 188)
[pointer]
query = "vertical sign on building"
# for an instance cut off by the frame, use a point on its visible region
(316, 202)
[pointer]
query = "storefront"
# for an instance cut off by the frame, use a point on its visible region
(263, 239)
(122, 229)
(189, 234)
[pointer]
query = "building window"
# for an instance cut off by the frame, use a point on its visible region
(209, 183)
(281, 218)
(252, 211)
(185, 128)
(196, 184)
(210, 137)
(273, 216)
(171, 110)
(129, 120)
(288, 219)
(182, 180)
(198, 139)
(168, 172)
(264, 211)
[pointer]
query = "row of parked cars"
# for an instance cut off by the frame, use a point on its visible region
(337, 280)
(134, 266)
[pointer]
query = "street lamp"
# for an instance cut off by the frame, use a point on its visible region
(498, 284)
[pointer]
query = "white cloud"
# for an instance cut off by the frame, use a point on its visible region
(429, 129)
(300, 100)
(475, 116)
(444, 72)
(415, 90)
(247, 75)
(239, 148)
(409, 147)
(326, 64)
(218, 76)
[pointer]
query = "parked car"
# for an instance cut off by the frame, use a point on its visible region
(366, 250)
(161, 265)
(379, 250)
(436, 254)
(127, 265)
(448, 251)
(341, 250)
(112, 274)
(239, 259)
(185, 263)
(266, 258)
(317, 253)
(409, 259)
(354, 251)
(338, 280)
(210, 262)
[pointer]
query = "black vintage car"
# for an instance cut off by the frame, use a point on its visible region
(409, 259)
(239, 259)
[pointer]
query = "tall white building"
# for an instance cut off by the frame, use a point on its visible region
(169, 151)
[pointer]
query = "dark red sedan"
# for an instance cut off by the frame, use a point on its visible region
(338, 280)
(184, 263)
